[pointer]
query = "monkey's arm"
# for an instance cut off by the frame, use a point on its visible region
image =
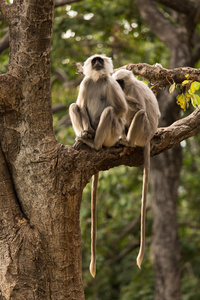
(82, 103)
(133, 103)
(117, 98)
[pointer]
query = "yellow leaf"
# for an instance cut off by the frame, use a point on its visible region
(195, 100)
(192, 87)
(146, 82)
(172, 88)
(181, 101)
(196, 85)
(186, 82)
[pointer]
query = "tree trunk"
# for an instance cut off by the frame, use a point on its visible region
(165, 168)
(165, 172)
(40, 246)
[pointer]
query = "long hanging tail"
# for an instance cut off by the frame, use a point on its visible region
(95, 179)
(144, 200)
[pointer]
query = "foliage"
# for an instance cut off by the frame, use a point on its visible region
(189, 93)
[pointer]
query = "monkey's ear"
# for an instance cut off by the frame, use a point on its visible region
(79, 68)
(108, 65)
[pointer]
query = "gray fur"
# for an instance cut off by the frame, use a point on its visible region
(98, 119)
(100, 108)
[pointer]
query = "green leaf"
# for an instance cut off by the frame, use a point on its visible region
(195, 99)
(196, 85)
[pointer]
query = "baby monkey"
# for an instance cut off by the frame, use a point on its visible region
(141, 125)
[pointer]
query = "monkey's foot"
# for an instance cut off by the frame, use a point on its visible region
(77, 145)
(86, 135)
(124, 142)
(88, 142)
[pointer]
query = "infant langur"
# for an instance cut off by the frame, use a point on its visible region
(98, 118)
(141, 124)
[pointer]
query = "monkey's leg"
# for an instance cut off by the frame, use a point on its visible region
(80, 122)
(75, 116)
(109, 129)
(139, 130)
(86, 124)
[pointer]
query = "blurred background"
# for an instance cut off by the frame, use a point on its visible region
(133, 32)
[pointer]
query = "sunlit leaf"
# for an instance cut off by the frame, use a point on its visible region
(146, 82)
(192, 87)
(185, 82)
(195, 99)
(172, 88)
(196, 85)
(181, 101)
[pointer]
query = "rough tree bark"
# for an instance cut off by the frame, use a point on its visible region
(165, 168)
(41, 181)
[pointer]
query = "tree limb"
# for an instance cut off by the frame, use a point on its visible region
(161, 76)
(164, 139)
(158, 75)
(5, 8)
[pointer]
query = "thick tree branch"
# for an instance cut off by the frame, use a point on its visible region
(163, 77)
(164, 139)
(180, 130)
(158, 75)
(5, 8)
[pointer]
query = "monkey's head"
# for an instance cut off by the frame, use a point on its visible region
(123, 77)
(97, 66)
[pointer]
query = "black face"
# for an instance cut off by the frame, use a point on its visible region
(121, 83)
(97, 63)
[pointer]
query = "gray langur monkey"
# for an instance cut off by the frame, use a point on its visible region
(141, 125)
(98, 119)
